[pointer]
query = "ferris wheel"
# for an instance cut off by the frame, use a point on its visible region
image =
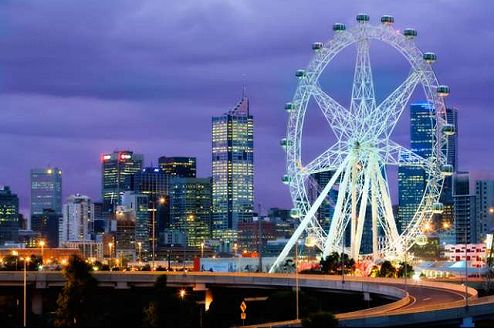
(358, 160)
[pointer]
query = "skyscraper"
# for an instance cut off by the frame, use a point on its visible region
(9, 215)
(465, 220)
(190, 209)
(411, 180)
(178, 166)
(233, 171)
(46, 190)
(77, 219)
(138, 203)
(445, 221)
(116, 167)
(484, 193)
(153, 183)
(47, 225)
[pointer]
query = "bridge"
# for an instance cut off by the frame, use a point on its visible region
(415, 302)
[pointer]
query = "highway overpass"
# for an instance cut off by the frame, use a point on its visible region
(417, 302)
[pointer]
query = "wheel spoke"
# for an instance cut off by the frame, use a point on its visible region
(330, 159)
(363, 99)
(387, 114)
(395, 154)
(338, 117)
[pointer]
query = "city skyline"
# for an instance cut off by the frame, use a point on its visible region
(156, 96)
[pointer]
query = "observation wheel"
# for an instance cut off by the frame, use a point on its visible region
(357, 161)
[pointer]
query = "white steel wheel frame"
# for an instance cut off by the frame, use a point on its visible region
(363, 148)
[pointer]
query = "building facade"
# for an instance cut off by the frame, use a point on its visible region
(484, 193)
(116, 168)
(412, 180)
(138, 203)
(46, 190)
(9, 216)
(77, 219)
(178, 166)
(233, 172)
(47, 225)
(466, 220)
(190, 210)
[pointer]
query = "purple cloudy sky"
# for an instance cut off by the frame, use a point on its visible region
(79, 78)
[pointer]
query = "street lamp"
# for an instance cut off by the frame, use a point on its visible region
(202, 249)
(139, 245)
(235, 248)
(26, 260)
(15, 253)
(110, 245)
(42, 245)
(153, 242)
(296, 282)
(186, 235)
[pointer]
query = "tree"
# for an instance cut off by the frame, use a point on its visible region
(330, 263)
(333, 263)
(387, 270)
(74, 304)
(405, 269)
(320, 320)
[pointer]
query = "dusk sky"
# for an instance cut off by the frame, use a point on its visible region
(81, 78)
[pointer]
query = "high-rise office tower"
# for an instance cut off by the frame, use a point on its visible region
(178, 166)
(125, 230)
(484, 193)
(153, 183)
(411, 180)
(138, 203)
(465, 220)
(445, 221)
(190, 209)
(47, 225)
(77, 219)
(116, 167)
(46, 190)
(233, 172)
(9, 215)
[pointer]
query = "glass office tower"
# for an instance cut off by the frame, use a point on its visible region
(233, 172)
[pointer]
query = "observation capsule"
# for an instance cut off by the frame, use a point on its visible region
(447, 170)
(362, 18)
(448, 129)
(430, 57)
(410, 33)
(387, 19)
(443, 90)
(295, 213)
(289, 107)
(437, 208)
(317, 45)
(300, 74)
(285, 143)
(286, 179)
(338, 27)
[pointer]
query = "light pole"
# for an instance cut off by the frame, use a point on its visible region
(26, 260)
(186, 236)
(296, 282)
(153, 209)
(110, 245)
(139, 245)
(235, 250)
(202, 249)
(42, 245)
(16, 254)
